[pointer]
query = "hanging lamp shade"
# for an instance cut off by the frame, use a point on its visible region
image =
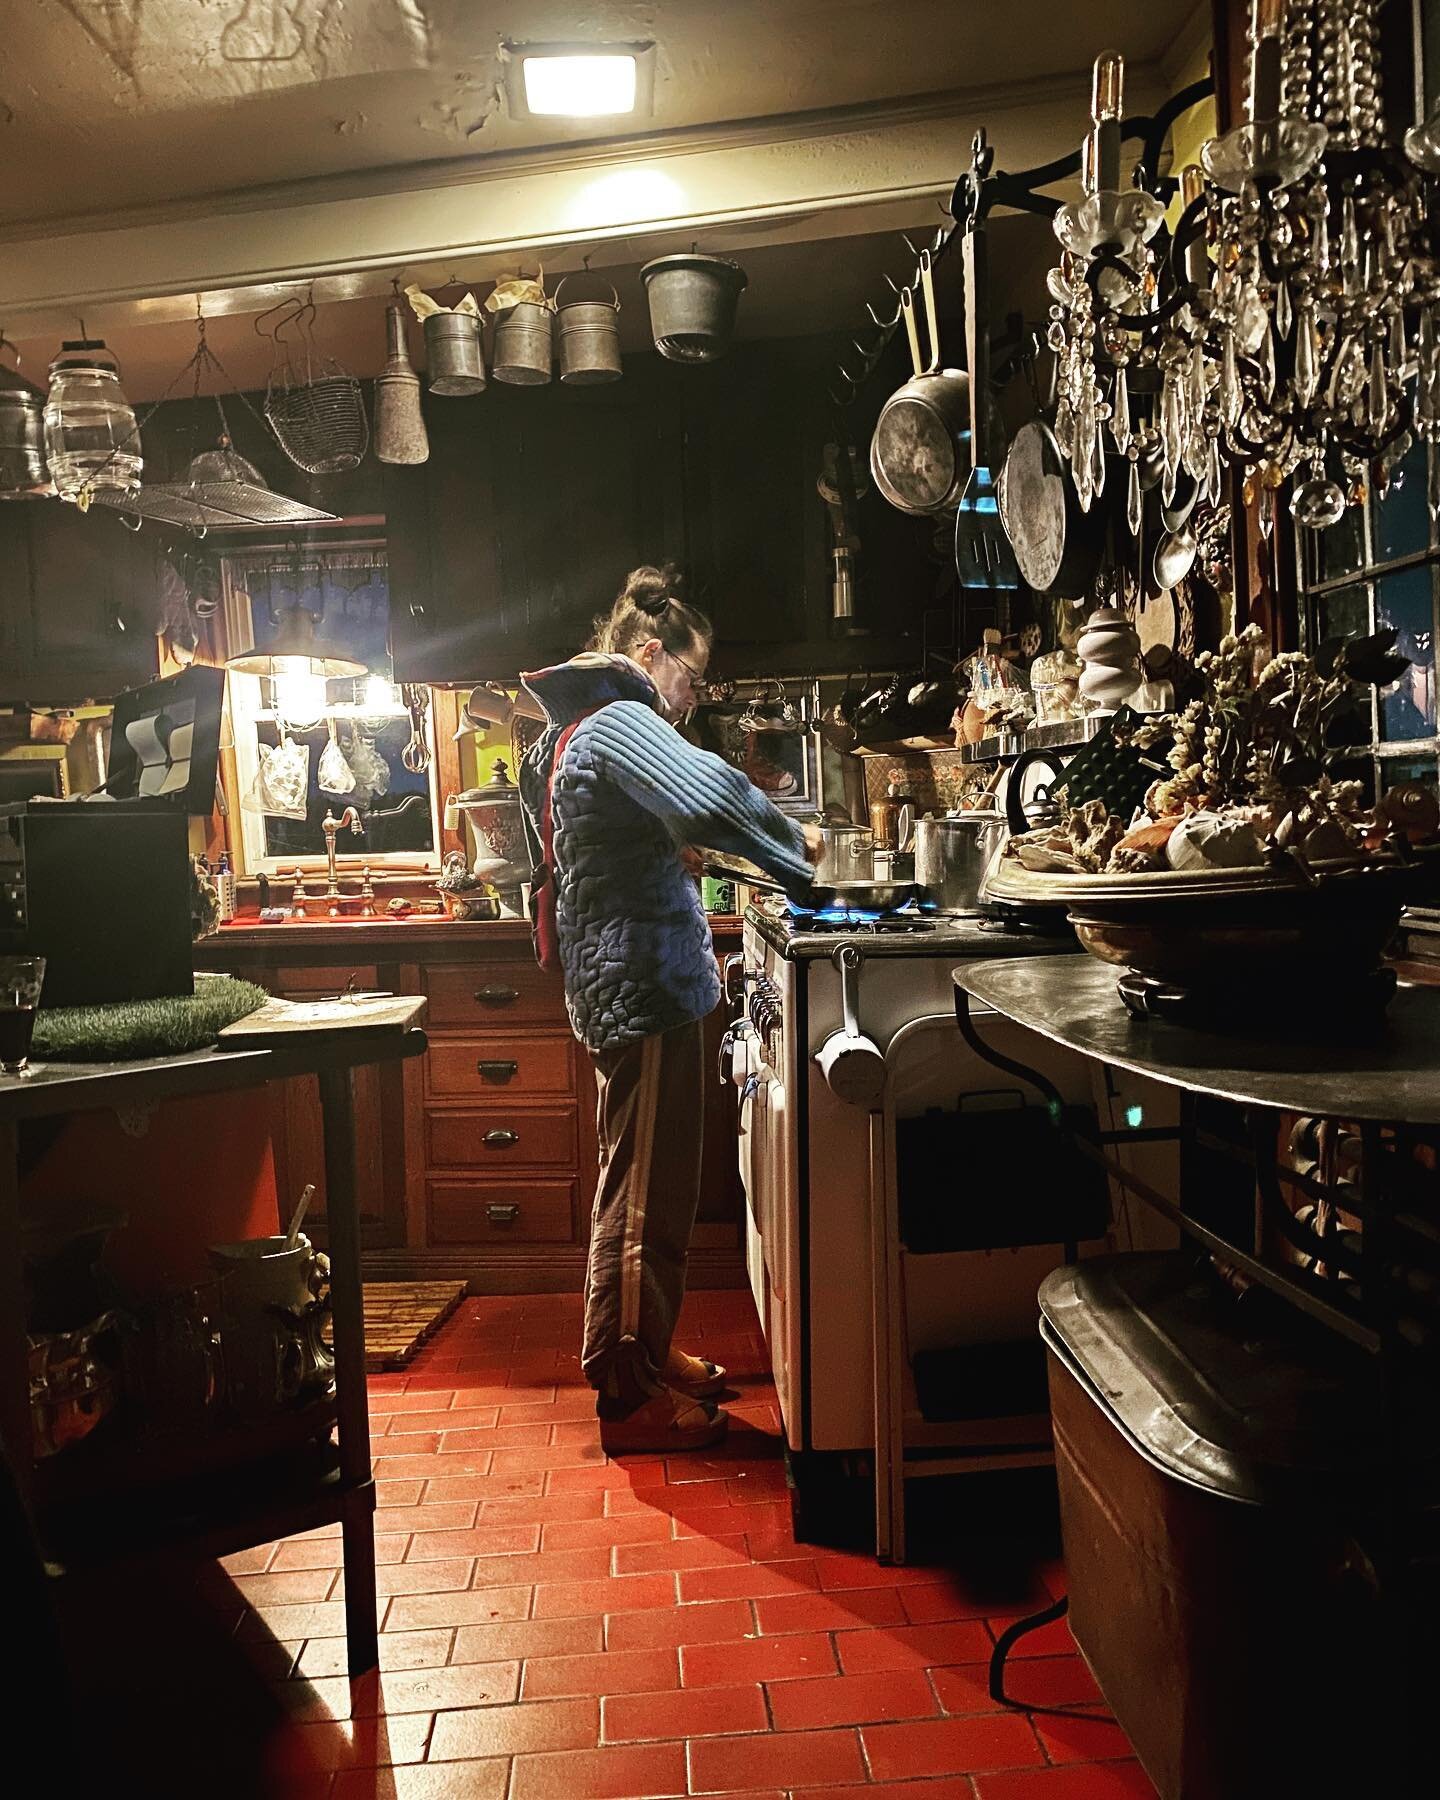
(296, 642)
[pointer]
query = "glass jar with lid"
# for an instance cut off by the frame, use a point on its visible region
(91, 437)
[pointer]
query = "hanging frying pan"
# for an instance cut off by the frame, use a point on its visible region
(1057, 545)
(919, 454)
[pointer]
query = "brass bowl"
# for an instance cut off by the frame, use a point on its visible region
(1238, 933)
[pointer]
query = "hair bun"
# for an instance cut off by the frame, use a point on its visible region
(650, 590)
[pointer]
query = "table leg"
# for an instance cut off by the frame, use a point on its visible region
(351, 1403)
(15, 1433)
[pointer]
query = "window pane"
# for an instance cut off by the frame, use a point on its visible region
(1396, 771)
(1338, 551)
(397, 821)
(1402, 517)
(1405, 600)
(1343, 612)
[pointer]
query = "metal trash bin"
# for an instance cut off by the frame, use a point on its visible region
(1215, 1461)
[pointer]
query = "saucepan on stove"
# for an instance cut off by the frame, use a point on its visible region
(822, 896)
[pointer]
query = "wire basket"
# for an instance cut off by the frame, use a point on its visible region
(320, 424)
(318, 417)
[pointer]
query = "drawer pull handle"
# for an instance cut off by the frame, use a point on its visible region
(497, 1071)
(502, 1215)
(495, 995)
(501, 1140)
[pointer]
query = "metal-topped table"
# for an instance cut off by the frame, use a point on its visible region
(347, 1494)
(1391, 1074)
(1376, 1286)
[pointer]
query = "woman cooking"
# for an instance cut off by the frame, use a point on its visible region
(613, 798)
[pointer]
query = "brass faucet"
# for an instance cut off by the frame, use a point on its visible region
(330, 825)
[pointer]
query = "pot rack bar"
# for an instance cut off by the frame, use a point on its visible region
(981, 189)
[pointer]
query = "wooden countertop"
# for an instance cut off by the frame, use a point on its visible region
(245, 943)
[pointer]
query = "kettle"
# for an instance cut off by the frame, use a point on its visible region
(1024, 815)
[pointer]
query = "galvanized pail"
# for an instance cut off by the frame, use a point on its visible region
(523, 349)
(22, 444)
(454, 353)
(692, 305)
(589, 339)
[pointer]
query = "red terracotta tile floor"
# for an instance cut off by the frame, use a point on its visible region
(556, 1626)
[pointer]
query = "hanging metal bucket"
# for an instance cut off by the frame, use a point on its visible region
(589, 339)
(692, 305)
(523, 346)
(23, 472)
(454, 353)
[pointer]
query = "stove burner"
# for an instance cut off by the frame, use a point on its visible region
(865, 924)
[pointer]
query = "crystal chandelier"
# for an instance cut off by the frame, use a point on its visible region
(1290, 326)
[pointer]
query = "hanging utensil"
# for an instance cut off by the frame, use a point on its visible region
(983, 558)
(400, 435)
(920, 454)
(416, 754)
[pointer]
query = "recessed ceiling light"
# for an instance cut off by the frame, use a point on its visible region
(582, 86)
(579, 81)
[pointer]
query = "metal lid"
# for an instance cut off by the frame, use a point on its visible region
(1242, 1397)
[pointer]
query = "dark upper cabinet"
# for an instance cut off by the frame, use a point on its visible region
(79, 597)
(536, 501)
(522, 525)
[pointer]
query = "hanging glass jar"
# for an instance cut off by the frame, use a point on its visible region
(91, 438)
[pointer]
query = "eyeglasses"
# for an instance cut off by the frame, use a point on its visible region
(697, 680)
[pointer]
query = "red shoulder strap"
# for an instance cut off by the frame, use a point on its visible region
(543, 895)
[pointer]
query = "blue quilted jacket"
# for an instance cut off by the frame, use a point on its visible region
(629, 795)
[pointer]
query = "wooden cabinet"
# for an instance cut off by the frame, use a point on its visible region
(79, 597)
(479, 1159)
(534, 504)
(537, 501)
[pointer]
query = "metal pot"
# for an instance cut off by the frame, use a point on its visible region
(847, 853)
(589, 339)
(454, 353)
(692, 305)
(920, 453)
(524, 349)
(23, 473)
(952, 855)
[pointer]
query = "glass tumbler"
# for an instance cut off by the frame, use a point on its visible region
(21, 978)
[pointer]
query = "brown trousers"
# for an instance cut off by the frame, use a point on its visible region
(649, 1116)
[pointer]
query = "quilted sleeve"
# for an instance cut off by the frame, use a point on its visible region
(701, 799)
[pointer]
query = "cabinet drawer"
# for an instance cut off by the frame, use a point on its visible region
(500, 1064)
(500, 993)
(501, 1212)
(537, 1137)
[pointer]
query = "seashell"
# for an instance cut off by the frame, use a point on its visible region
(1041, 860)
(1207, 840)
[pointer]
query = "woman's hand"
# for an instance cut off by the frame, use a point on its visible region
(814, 843)
(691, 863)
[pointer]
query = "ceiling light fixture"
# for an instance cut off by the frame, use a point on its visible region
(578, 81)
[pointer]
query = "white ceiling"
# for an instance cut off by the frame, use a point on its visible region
(109, 104)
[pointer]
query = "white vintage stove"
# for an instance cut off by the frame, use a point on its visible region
(819, 1176)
